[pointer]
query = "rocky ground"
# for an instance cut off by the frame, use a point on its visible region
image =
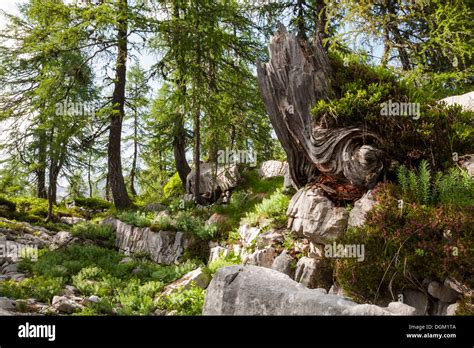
(266, 268)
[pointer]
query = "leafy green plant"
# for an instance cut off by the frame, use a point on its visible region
(174, 187)
(138, 299)
(10, 205)
(288, 241)
(455, 188)
(224, 261)
(362, 90)
(92, 203)
(184, 302)
(207, 232)
(272, 208)
(253, 184)
(404, 248)
(169, 273)
(134, 218)
(103, 234)
(41, 288)
(70, 260)
(163, 223)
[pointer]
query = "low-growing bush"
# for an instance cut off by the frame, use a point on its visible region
(174, 187)
(272, 209)
(93, 203)
(184, 302)
(186, 222)
(455, 188)
(169, 273)
(405, 246)
(102, 234)
(361, 92)
(40, 288)
(138, 299)
(224, 261)
(254, 184)
(131, 297)
(163, 223)
(133, 218)
(128, 287)
(8, 204)
(69, 261)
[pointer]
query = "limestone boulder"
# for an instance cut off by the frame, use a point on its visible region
(251, 290)
(197, 277)
(312, 215)
(361, 207)
(272, 169)
(214, 180)
(165, 247)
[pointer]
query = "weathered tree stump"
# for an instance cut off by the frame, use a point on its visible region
(296, 77)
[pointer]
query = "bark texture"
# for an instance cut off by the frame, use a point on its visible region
(296, 77)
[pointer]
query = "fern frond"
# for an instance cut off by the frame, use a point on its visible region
(424, 182)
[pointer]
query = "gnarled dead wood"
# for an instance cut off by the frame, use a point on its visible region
(296, 77)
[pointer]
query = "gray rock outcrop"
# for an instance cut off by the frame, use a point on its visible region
(362, 206)
(214, 180)
(164, 247)
(312, 215)
(251, 290)
(272, 169)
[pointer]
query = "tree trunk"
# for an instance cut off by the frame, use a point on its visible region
(54, 170)
(135, 155)
(107, 187)
(116, 181)
(386, 47)
(197, 154)
(397, 37)
(52, 195)
(321, 21)
(197, 124)
(41, 168)
(179, 150)
(179, 134)
(89, 174)
(41, 184)
(297, 76)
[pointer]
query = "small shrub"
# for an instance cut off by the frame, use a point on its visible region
(184, 302)
(207, 232)
(272, 208)
(253, 183)
(132, 296)
(402, 248)
(93, 203)
(72, 259)
(101, 234)
(138, 299)
(224, 261)
(134, 218)
(170, 273)
(454, 188)
(40, 288)
(11, 206)
(163, 223)
(32, 206)
(174, 187)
